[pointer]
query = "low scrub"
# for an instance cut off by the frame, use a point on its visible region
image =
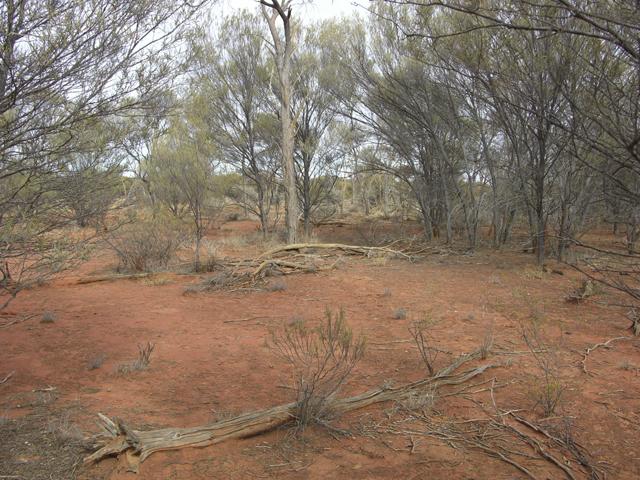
(322, 359)
(145, 246)
(140, 363)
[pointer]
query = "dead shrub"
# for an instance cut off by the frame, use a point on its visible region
(96, 362)
(48, 317)
(400, 314)
(140, 363)
(65, 432)
(223, 280)
(420, 402)
(209, 254)
(421, 332)
(321, 359)
(145, 246)
(487, 343)
(548, 389)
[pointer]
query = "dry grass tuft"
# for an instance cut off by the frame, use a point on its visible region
(140, 363)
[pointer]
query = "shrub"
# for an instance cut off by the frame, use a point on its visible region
(277, 286)
(96, 362)
(64, 432)
(322, 358)
(141, 363)
(208, 256)
(145, 246)
(548, 389)
(48, 317)
(400, 314)
(421, 333)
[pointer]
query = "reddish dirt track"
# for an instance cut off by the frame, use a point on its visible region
(211, 360)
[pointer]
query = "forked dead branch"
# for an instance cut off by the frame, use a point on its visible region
(297, 258)
(119, 439)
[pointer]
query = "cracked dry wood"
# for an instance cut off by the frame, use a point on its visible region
(354, 249)
(137, 445)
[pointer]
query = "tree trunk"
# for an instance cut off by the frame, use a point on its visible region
(291, 197)
(283, 52)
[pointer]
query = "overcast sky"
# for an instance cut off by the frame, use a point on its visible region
(311, 10)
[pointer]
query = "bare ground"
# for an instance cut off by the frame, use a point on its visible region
(211, 360)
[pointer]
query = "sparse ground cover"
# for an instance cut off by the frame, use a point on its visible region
(557, 402)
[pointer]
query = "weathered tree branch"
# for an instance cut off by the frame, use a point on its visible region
(137, 445)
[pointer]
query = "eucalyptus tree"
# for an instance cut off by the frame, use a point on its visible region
(233, 72)
(529, 102)
(136, 134)
(282, 48)
(597, 95)
(408, 107)
(91, 180)
(183, 164)
(66, 63)
(320, 139)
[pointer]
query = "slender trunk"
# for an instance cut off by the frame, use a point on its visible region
(507, 225)
(291, 198)
(427, 224)
(540, 233)
(283, 50)
(563, 232)
(264, 217)
(306, 195)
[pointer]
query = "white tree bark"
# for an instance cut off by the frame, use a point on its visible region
(282, 51)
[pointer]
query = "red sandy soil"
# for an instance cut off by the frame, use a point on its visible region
(204, 368)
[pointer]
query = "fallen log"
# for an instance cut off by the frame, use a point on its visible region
(113, 278)
(352, 249)
(118, 439)
(296, 267)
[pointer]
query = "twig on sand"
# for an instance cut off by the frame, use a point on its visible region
(592, 348)
(6, 379)
(19, 320)
(249, 319)
(47, 389)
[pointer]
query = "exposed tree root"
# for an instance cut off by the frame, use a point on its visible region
(137, 445)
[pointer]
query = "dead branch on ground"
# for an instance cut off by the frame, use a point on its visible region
(590, 349)
(119, 439)
(347, 249)
(18, 320)
(496, 434)
(7, 378)
(113, 278)
(247, 274)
